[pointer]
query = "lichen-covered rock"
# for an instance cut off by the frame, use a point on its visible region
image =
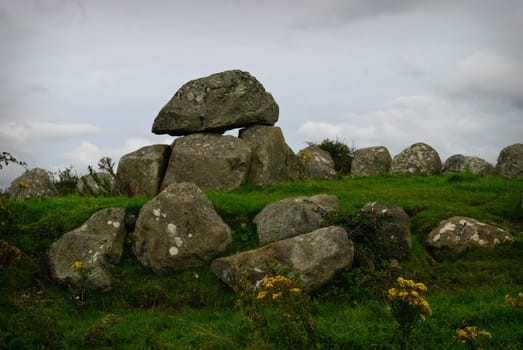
(293, 216)
(82, 258)
(459, 163)
(33, 183)
(271, 160)
(370, 161)
(314, 258)
(219, 102)
(386, 228)
(459, 233)
(510, 161)
(418, 159)
(140, 173)
(101, 185)
(318, 163)
(179, 229)
(211, 161)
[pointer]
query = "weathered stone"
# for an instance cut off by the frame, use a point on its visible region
(295, 168)
(140, 173)
(103, 184)
(219, 102)
(318, 163)
(179, 229)
(459, 163)
(314, 258)
(510, 161)
(211, 161)
(93, 248)
(33, 183)
(294, 216)
(459, 233)
(418, 159)
(387, 229)
(371, 161)
(271, 160)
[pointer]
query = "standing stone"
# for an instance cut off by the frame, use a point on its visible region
(371, 161)
(271, 160)
(102, 185)
(33, 183)
(418, 159)
(140, 173)
(219, 102)
(179, 229)
(83, 257)
(459, 163)
(318, 163)
(314, 258)
(459, 233)
(211, 161)
(510, 161)
(294, 216)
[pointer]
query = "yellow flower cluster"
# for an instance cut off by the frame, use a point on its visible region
(9, 254)
(77, 265)
(276, 287)
(23, 184)
(470, 333)
(408, 292)
(515, 302)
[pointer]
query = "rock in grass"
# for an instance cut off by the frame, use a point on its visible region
(510, 161)
(318, 163)
(418, 159)
(179, 229)
(312, 259)
(103, 184)
(293, 216)
(459, 163)
(83, 257)
(459, 233)
(33, 183)
(370, 161)
(222, 101)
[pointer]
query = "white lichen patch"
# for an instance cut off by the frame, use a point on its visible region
(449, 226)
(116, 224)
(436, 238)
(178, 241)
(475, 237)
(157, 212)
(171, 228)
(496, 241)
(482, 242)
(384, 211)
(173, 251)
(83, 228)
(189, 235)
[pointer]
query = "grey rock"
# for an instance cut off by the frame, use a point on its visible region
(318, 163)
(510, 161)
(219, 102)
(387, 228)
(371, 161)
(33, 183)
(140, 173)
(103, 184)
(272, 160)
(97, 244)
(211, 161)
(418, 159)
(294, 216)
(459, 233)
(179, 229)
(459, 163)
(313, 258)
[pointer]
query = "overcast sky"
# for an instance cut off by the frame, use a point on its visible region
(82, 79)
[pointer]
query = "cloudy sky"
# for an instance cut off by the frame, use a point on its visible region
(82, 79)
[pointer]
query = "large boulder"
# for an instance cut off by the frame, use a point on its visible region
(219, 102)
(82, 258)
(140, 173)
(459, 163)
(294, 216)
(370, 161)
(96, 184)
(179, 229)
(211, 161)
(313, 258)
(418, 159)
(459, 233)
(272, 159)
(318, 164)
(385, 229)
(33, 183)
(510, 161)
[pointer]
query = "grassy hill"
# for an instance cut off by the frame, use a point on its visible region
(194, 310)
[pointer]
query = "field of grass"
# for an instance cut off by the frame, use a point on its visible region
(195, 310)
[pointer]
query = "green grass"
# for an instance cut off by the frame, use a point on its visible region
(194, 310)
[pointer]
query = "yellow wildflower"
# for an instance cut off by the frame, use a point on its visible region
(262, 294)
(77, 265)
(295, 290)
(276, 295)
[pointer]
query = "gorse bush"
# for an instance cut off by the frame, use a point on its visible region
(471, 336)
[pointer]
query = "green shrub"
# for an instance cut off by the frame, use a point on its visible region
(341, 154)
